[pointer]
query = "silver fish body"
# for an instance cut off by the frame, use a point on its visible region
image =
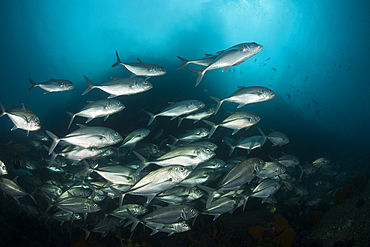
(101, 108)
(121, 86)
(59, 85)
(246, 95)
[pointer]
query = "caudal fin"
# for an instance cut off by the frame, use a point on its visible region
(72, 117)
(213, 129)
(90, 87)
(184, 62)
(200, 75)
(118, 61)
(55, 141)
(219, 102)
(2, 110)
(152, 117)
(230, 145)
(33, 85)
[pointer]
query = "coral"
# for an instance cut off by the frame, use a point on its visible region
(288, 237)
(313, 217)
(257, 231)
(280, 224)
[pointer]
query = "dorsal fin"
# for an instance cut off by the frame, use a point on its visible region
(138, 60)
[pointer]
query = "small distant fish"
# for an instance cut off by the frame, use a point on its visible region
(264, 64)
(268, 59)
(296, 53)
(271, 78)
(292, 86)
(349, 68)
(273, 69)
(314, 101)
(288, 66)
(335, 64)
(288, 95)
(340, 65)
(241, 72)
(333, 82)
(255, 60)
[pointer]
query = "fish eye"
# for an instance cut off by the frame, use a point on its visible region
(85, 207)
(182, 169)
(115, 133)
(145, 82)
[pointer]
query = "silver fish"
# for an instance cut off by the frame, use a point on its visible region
(198, 115)
(157, 181)
(12, 189)
(191, 135)
(177, 109)
(266, 188)
(121, 86)
(236, 122)
(233, 56)
(88, 137)
(271, 169)
(141, 69)
(22, 119)
(134, 137)
(223, 205)
(59, 85)
(321, 162)
(101, 108)
(246, 95)
(248, 143)
(78, 205)
(179, 195)
(288, 160)
(277, 138)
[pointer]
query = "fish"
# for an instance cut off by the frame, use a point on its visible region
(141, 69)
(3, 170)
(202, 62)
(179, 195)
(78, 205)
(270, 170)
(11, 188)
(288, 160)
(321, 162)
(223, 205)
(134, 137)
(22, 119)
(230, 57)
(87, 137)
(177, 109)
(191, 135)
(156, 182)
(101, 108)
(198, 115)
(248, 143)
(121, 86)
(246, 95)
(53, 85)
(265, 189)
(243, 172)
(236, 121)
(186, 156)
(278, 138)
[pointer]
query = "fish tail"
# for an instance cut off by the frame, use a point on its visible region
(180, 121)
(152, 117)
(87, 233)
(120, 194)
(175, 140)
(200, 75)
(263, 136)
(90, 87)
(32, 86)
(53, 156)
(144, 162)
(232, 148)
(211, 194)
(213, 129)
(72, 117)
(55, 141)
(184, 62)
(301, 171)
(2, 110)
(219, 102)
(118, 61)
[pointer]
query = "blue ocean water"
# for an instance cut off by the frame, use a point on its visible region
(314, 57)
